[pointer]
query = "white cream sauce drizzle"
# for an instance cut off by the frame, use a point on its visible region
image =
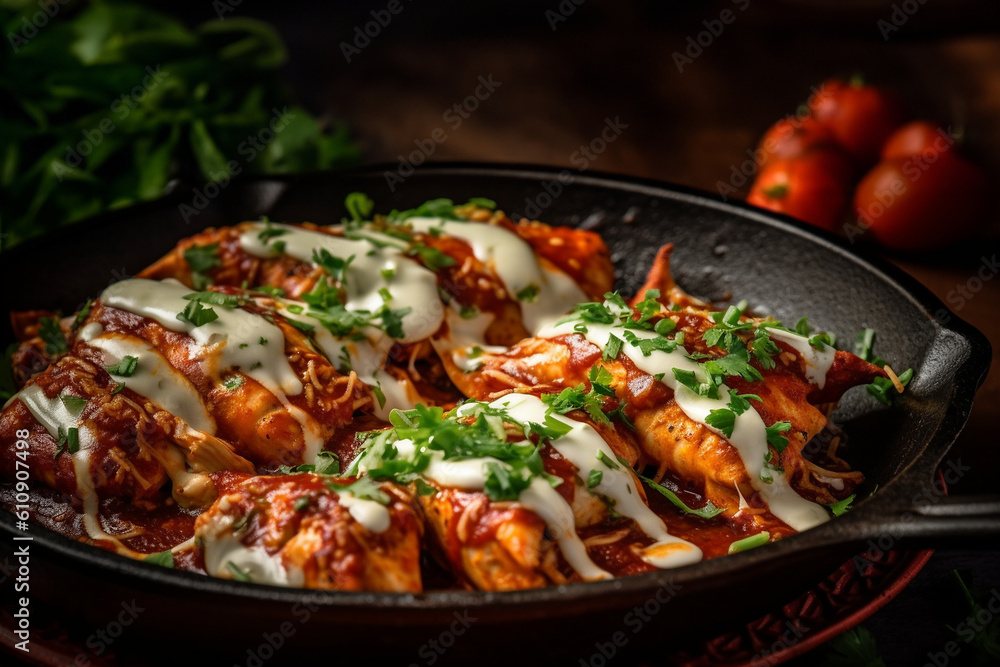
(580, 447)
(222, 547)
(372, 515)
(465, 334)
(815, 362)
(517, 266)
(155, 379)
(749, 433)
(53, 414)
(367, 356)
(410, 284)
(237, 339)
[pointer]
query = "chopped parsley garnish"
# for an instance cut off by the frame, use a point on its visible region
(270, 232)
(529, 293)
(74, 404)
(201, 259)
(68, 440)
(197, 314)
(842, 506)
(648, 345)
(336, 267)
(118, 388)
(359, 206)
(706, 512)
(124, 368)
(722, 419)
(885, 390)
(613, 348)
(802, 327)
(239, 574)
(364, 488)
(608, 462)
(864, 345)
(594, 478)
(690, 380)
(234, 382)
(736, 363)
(769, 467)
(726, 324)
(327, 463)
(423, 488)
(468, 312)
(82, 314)
(432, 258)
(379, 394)
(163, 559)
(774, 436)
(482, 202)
(214, 299)
(387, 274)
(471, 431)
(262, 341)
(271, 290)
(51, 333)
(301, 503)
(740, 403)
(752, 542)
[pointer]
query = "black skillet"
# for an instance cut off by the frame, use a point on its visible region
(723, 250)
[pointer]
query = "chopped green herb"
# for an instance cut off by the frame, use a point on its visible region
(802, 327)
(201, 259)
(234, 382)
(752, 542)
(51, 333)
(613, 348)
(594, 478)
(432, 258)
(885, 390)
(774, 437)
(301, 503)
(197, 314)
(124, 368)
(388, 274)
(162, 558)
(722, 419)
(214, 299)
(270, 290)
(118, 388)
(606, 460)
(842, 506)
(740, 403)
(359, 206)
(74, 404)
(664, 326)
(336, 267)
(379, 394)
(483, 202)
(706, 512)
(365, 489)
(239, 574)
(423, 488)
(468, 312)
(270, 232)
(529, 293)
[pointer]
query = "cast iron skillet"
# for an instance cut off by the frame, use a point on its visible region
(723, 250)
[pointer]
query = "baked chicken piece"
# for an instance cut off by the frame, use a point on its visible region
(721, 402)
(307, 531)
(516, 495)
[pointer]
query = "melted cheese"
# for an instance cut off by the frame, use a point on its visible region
(367, 357)
(237, 339)
(370, 514)
(581, 447)
(816, 362)
(515, 263)
(749, 436)
(221, 547)
(155, 379)
(54, 415)
(409, 284)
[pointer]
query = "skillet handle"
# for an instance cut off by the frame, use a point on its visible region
(964, 522)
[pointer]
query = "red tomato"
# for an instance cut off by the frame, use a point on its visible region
(916, 203)
(807, 187)
(791, 138)
(860, 117)
(917, 138)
